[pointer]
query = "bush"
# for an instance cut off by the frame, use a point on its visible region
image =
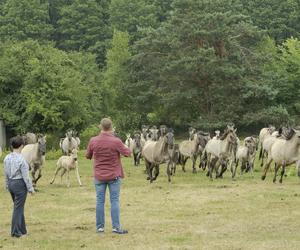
(52, 141)
(53, 154)
(86, 135)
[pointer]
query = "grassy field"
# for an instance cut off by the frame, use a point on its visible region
(189, 213)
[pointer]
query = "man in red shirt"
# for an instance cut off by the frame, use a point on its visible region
(106, 150)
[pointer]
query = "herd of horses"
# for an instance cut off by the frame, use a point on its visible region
(217, 154)
(156, 146)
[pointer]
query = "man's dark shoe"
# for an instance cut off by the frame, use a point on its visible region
(119, 231)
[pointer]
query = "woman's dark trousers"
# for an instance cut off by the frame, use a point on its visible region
(18, 191)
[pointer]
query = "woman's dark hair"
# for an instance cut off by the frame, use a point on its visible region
(16, 142)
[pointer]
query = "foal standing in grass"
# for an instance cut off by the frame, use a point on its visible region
(65, 164)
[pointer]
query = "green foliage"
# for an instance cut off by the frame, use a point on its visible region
(24, 19)
(116, 79)
(42, 89)
(200, 55)
(178, 62)
(83, 26)
(53, 154)
(86, 135)
(132, 16)
(279, 19)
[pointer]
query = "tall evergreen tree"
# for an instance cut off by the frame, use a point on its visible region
(25, 19)
(84, 26)
(280, 19)
(195, 65)
(133, 15)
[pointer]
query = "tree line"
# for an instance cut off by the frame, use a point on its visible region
(67, 63)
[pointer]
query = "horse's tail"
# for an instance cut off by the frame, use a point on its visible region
(260, 152)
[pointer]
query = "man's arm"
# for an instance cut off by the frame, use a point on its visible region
(122, 149)
(89, 151)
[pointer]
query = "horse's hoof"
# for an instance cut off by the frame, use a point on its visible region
(148, 178)
(263, 177)
(280, 181)
(274, 181)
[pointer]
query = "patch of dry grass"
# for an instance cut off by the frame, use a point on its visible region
(189, 213)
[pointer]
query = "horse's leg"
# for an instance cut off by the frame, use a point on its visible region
(62, 174)
(266, 168)
(223, 168)
(233, 171)
(68, 177)
(33, 176)
(282, 172)
(77, 174)
(217, 167)
(184, 159)
(243, 167)
(208, 163)
(260, 152)
(277, 166)
(212, 166)
(135, 159)
(56, 172)
(138, 158)
(156, 171)
(169, 172)
(194, 159)
(39, 174)
(264, 154)
(262, 157)
(203, 163)
(148, 169)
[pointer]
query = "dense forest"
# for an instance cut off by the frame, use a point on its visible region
(67, 63)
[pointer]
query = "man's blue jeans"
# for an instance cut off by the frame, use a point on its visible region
(114, 192)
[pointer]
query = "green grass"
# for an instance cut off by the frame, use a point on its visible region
(189, 213)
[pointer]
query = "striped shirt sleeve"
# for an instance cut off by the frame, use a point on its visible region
(25, 176)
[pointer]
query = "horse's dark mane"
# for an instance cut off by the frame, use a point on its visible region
(290, 134)
(226, 132)
(203, 133)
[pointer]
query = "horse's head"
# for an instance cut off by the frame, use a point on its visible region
(217, 133)
(163, 130)
(250, 142)
(154, 133)
(137, 139)
(230, 134)
(74, 154)
(69, 135)
(271, 129)
(42, 144)
(192, 132)
(170, 139)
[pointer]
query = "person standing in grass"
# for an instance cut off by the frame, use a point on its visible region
(18, 184)
(106, 150)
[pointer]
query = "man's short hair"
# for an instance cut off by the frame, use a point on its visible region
(106, 124)
(16, 142)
